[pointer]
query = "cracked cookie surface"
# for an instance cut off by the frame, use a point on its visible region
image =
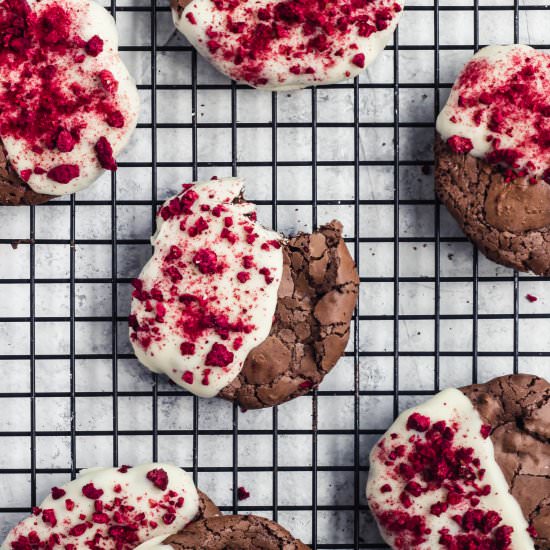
(508, 221)
(316, 299)
(235, 533)
(518, 409)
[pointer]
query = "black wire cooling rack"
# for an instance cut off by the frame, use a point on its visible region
(342, 522)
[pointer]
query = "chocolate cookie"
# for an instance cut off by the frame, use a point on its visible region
(13, 190)
(518, 410)
(226, 307)
(234, 533)
(455, 472)
(508, 221)
(316, 299)
(69, 104)
(207, 508)
(492, 155)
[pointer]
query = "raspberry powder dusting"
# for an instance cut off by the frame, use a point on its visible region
(499, 110)
(67, 102)
(434, 482)
(291, 43)
(208, 295)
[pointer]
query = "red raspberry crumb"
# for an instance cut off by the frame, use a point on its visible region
(78, 530)
(267, 275)
(174, 254)
(460, 144)
(57, 493)
(359, 60)
(485, 431)
(168, 518)
(306, 385)
(104, 153)
(243, 276)
(115, 119)
(218, 356)
(206, 260)
(187, 348)
(65, 141)
(418, 422)
(64, 173)
(100, 517)
(237, 343)
(248, 262)
(48, 516)
(438, 508)
(91, 492)
(187, 377)
(69, 505)
(531, 298)
(205, 375)
(242, 493)
(25, 174)
(191, 18)
(94, 46)
(386, 488)
(532, 531)
(108, 81)
(159, 478)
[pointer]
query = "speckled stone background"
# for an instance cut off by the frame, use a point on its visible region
(72, 395)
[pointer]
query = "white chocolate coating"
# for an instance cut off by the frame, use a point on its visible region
(497, 67)
(89, 19)
(276, 74)
(251, 302)
(155, 544)
(135, 490)
(450, 405)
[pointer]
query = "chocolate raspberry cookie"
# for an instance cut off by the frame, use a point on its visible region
(467, 469)
(493, 155)
(226, 307)
(288, 44)
(113, 508)
(229, 533)
(68, 104)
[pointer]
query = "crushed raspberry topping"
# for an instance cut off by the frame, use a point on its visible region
(505, 98)
(460, 144)
(242, 493)
(48, 98)
(304, 37)
(102, 520)
(204, 300)
(159, 478)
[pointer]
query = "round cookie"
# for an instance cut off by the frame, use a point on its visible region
(492, 155)
(69, 104)
(116, 507)
(288, 44)
(437, 480)
(227, 308)
(315, 305)
(518, 410)
(230, 533)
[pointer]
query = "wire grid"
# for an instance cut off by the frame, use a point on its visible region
(72, 394)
